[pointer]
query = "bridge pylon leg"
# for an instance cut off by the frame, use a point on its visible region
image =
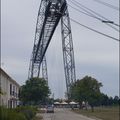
(68, 52)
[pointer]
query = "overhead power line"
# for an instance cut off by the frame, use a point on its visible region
(107, 4)
(95, 30)
(93, 14)
(86, 12)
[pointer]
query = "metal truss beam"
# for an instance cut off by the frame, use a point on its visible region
(44, 69)
(34, 67)
(49, 15)
(68, 52)
(48, 18)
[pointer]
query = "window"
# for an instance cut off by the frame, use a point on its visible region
(14, 90)
(10, 89)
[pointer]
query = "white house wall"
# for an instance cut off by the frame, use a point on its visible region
(7, 99)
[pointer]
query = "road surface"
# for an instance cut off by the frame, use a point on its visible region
(64, 114)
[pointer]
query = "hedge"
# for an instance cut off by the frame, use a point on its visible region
(19, 113)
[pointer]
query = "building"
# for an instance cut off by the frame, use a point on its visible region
(9, 90)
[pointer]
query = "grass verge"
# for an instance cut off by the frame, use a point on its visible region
(104, 113)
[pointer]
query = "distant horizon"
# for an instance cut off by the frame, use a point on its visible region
(65, 92)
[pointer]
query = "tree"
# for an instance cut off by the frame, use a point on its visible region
(104, 100)
(86, 89)
(34, 91)
(116, 100)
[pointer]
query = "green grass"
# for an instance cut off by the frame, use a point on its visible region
(104, 113)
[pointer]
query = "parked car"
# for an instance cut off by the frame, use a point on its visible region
(50, 109)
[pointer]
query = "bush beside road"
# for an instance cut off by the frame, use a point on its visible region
(19, 113)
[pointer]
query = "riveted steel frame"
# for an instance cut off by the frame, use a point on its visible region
(34, 67)
(49, 15)
(44, 69)
(68, 52)
(48, 18)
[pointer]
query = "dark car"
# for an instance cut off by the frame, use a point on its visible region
(50, 109)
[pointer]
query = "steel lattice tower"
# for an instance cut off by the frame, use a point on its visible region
(44, 69)
(49, 15)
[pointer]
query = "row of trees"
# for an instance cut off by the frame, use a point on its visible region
(36, 91)
(88, 90)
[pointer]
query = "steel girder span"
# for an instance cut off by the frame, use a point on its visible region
(49, 15)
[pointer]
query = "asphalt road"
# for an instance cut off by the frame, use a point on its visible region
(64, 114)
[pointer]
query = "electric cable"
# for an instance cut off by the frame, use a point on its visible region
(107, 4)
(88, 10)
(95, 30)
(90, 15)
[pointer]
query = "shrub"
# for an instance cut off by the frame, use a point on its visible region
(28, 111)
(9, 114)
(19, 113)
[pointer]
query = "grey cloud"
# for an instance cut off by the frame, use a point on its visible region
(95, 55)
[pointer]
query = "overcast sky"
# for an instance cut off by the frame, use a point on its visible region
(95, 55)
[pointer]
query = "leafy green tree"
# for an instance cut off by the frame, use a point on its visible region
(104, 100)
(116, 100)
(87, 89)
(34, 91)
(110, 101)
